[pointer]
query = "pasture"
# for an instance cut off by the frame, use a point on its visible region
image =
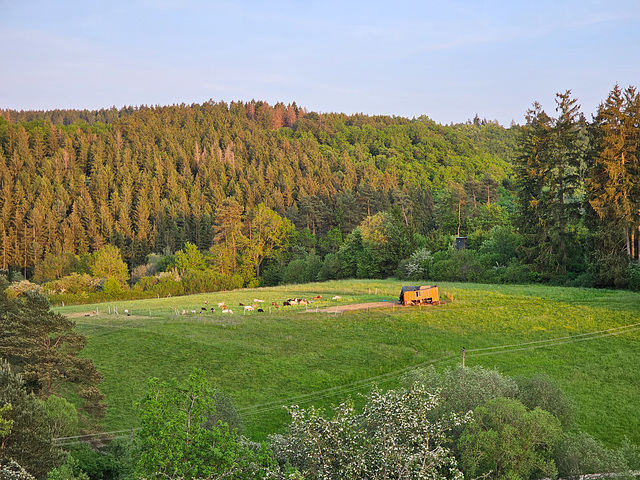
(588, 340)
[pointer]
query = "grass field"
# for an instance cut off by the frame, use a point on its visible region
(294, 355)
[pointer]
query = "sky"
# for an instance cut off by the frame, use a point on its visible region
(446, 59)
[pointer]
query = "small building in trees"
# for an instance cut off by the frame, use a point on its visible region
(423, 295)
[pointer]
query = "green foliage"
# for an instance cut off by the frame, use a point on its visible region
(74, 283)
(63, 416)
(112, 462)
(457, 266)
(331, 268)
(20, 288)
(548, 171)
(461, 390)
(112, 287)
(189, 259)
(5, 423)
(107, 263)
(69, 470)
(295, 271)
(542, 391)
(148, 179)
(632, 274)
(418, 265)
(505, 441)
(580, 454)
(500, 249)
(54, 267)
(177, 441)
(44, 346)
(30, 441)
(393, 437)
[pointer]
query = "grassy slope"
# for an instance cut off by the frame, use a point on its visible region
(260, 358)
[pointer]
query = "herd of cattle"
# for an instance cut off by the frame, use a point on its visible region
(256, 305)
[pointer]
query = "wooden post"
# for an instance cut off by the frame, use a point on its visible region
(463, 358)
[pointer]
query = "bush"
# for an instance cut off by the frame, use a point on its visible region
(294, 272)
(271, 274)
(457, 266)
(21, 287)
(330, 268)
(463, 390)
(112, 287)
(632, 275)
(580, 454)
(146, 284)
(72, 284)
(313, 265)
(418, 265)
(542, 391)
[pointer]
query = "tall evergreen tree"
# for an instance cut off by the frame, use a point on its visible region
(613, 185)
(548, 179)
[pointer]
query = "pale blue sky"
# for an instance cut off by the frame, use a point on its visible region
(447, 59)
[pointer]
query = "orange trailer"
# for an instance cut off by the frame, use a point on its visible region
(423, 295)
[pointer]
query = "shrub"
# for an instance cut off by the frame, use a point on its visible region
(294, 272)
(393, 437)
(542, 391)
(418, 265)
(21, 287)
(505, 441)
(146, 284)
(330, 269)
(632, 274)
(580, 454)
(72, 284)
(456, 266)
(112, 287)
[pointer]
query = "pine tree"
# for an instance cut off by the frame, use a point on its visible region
(613, 186)
(548, 181)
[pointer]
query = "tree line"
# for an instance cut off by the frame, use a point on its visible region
(276, 194)
(153, 179)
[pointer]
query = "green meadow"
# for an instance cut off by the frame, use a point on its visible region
(588, 340)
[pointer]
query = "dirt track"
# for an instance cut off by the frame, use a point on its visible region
(360, 306)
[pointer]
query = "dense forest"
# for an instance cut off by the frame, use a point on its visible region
(250, 193)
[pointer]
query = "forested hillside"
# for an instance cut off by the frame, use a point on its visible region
(152, 178)
(243, 194)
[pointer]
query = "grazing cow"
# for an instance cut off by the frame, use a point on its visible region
(257, 300)
(286, 303)
(206, 302)
(193, 311)
(183, 311)
(221, 304)
(227, 310)
(317, 297)
(260, 310)
(337, 297)
(275, 304)
(203, 309)
(303, 302)
(241, 304)
(126, 311)
(248, 308)
(213, 309)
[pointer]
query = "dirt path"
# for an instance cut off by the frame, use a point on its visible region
(360, 306)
